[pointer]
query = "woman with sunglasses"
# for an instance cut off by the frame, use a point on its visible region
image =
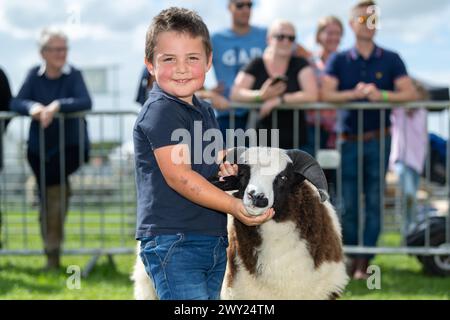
(278, 78)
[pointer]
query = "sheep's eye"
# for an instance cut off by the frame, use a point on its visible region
(284, 178)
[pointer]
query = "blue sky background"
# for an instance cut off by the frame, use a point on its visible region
(113, 33)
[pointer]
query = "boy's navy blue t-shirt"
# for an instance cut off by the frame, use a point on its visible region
(160, 209)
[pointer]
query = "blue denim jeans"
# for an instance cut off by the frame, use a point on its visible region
(371, 191)
(409, 183)
(185, 266)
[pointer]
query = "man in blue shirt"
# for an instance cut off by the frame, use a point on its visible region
(364, 73)
(234, 48)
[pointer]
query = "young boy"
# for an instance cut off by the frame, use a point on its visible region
(180, 220)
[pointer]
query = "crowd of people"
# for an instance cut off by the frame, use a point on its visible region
(252, 64)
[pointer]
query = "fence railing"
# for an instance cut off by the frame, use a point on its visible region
(101, 216)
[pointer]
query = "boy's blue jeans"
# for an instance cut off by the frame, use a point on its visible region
(185, 266)
(371, 190)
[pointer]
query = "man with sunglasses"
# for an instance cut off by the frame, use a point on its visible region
(364, 73)
(234, 48)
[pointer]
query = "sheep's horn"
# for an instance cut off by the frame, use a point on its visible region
(233, 155)
(308, 167)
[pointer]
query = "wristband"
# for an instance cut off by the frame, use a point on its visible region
(258, 98)
(385, 95)
(282, 101)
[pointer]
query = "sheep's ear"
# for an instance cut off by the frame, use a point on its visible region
(233, 155)
(308, 167)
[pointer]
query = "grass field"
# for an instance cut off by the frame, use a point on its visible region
(21, 277)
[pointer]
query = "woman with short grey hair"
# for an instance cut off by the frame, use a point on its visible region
(50, 88)
(48, 34)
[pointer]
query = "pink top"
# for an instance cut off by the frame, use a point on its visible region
(409, 137)
(327, 117)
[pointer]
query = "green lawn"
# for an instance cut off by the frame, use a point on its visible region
(402, 279)
(22, 277)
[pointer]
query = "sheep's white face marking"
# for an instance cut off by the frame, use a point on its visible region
(265, 164)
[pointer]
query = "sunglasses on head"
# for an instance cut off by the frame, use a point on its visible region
(364, 19)
(241, 5)
(281, 37)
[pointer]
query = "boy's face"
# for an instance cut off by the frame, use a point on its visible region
(179, 64)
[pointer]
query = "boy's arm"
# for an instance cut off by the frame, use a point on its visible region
(173, 162)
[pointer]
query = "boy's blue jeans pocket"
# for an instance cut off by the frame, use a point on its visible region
(185, 266)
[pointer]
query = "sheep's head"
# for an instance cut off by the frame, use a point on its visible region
(268, 175)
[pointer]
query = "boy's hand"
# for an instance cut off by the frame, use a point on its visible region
(241, 214)
(227, 169)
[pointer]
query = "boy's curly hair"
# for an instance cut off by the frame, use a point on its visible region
(179, 20)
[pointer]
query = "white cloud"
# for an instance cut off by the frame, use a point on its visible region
(410, 21)
(113, 32)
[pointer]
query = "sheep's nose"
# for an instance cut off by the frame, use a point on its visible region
(259, 200)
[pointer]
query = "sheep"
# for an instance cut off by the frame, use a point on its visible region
(143, 286)
(298, 253)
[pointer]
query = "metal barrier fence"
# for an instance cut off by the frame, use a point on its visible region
(101, 215)
(392, 208)
(101, 219)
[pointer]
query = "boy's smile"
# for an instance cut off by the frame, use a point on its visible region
(180, 64)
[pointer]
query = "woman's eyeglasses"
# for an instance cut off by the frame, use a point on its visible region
(241, 5)
(56, 49)
(281, 37)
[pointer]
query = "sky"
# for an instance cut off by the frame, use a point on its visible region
(112, 33)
